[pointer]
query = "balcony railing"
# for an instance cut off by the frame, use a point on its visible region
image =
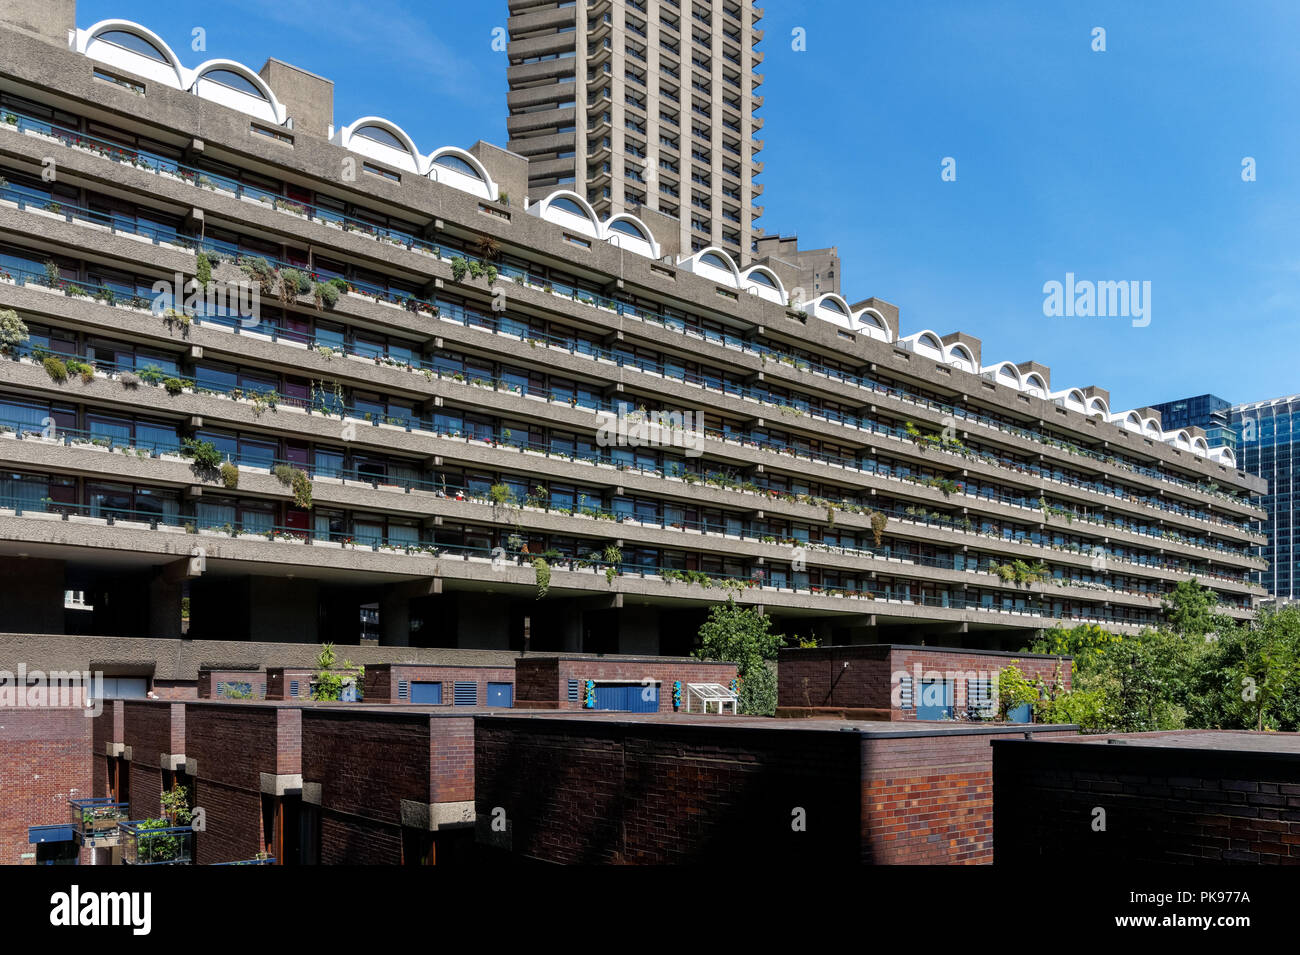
(96, 821)
(202, 179)
(153, 842)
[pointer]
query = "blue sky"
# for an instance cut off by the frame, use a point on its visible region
(1116, 165)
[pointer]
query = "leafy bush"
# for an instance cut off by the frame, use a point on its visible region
(744, 636)
(174, 386)
(205, 454)
(56, 369)
(229, 476)
(13, 331)
(203, 270)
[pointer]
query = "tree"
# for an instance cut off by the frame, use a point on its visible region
(744, 636)
(1190, 609)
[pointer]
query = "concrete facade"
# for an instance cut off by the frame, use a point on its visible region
(643, 107)
(466, 444)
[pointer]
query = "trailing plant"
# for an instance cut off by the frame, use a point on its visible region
(229, 476)
(203, 270)
(878, 522)
(543, 570)
(459, 266)
(56, 369)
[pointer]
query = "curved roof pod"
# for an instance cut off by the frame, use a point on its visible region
(713, 263)
(871, 323)
(830, 307)
(383, 140)
(1179, 439)
(763, 282)
(1151, 428)
(1071, 398)
(1097, 407)
(1224, 455)
(925, 343)
(461, 170)
(566, 208)
(129, 46)
(1128, 420)
(1004, 373)
(233, 84)
(628, 232)
(1035, 385)
(1200, 445)
(958, 356)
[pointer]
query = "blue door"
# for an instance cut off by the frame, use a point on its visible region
(1024, 713)
(500, 694)
(628, 698)
(937, 700)
(426, 692)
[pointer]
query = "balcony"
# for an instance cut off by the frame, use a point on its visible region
(153, 842)
(95, 821)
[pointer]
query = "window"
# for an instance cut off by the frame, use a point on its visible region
(458, 164)
(134, 43)
(234, 81)
(568, 205)
(627, 228)
(380, 135)
(715, 260)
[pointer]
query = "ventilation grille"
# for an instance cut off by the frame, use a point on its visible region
(575, 691)
(403, 689)
(905, 692)
(465, 694)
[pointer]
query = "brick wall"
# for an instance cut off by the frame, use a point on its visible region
(206, 688)
(859, 681)
(546, 681)
(928, 800)
(45, 760)
(232, 745)
(151, 728)
(381, 682)
(368, 761)
(602, 790)
(279, 681)
(1209, 799)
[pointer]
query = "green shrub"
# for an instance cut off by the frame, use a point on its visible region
(205, 454)
(56, 369)
(229, 476)
(13, 331)
(174, 386)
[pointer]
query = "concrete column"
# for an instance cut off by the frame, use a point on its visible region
(31, 592)
(165, 608)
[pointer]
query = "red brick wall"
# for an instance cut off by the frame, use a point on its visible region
(818, 678)
(597, 790)
(45, 760)
(928, 800)
(1198, 802)
(367, 762)
(381, 680)
(151, 728)
(546, 681)
(279, 680)
(208, 680)
(960, 663)
(106, 728)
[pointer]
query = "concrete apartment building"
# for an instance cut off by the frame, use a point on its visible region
(1265, 437)
(381, 439)
(643, 106)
